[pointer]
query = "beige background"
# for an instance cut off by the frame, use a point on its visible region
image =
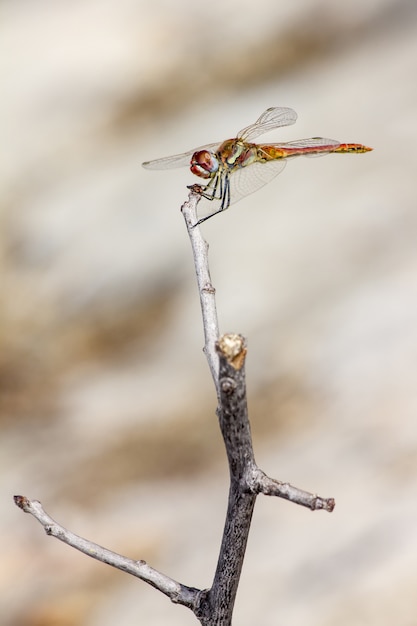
(106, 404)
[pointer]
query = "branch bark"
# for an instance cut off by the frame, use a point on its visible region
(206, 290)
(178, 593)
(234, 424)
(226, 358)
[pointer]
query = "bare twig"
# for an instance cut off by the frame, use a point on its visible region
(205, 288)
(271, 487)
(180, 594)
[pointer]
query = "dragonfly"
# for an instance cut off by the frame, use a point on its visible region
(237, 167)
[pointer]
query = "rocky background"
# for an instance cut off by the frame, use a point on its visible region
(106, 403)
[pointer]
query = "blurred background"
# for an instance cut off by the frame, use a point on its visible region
(107, 409)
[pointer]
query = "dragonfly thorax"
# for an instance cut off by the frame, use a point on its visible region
(204, 164)
(235, 153)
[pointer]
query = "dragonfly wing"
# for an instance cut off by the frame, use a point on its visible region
(272, 118)
(245, 181)
(177, 160)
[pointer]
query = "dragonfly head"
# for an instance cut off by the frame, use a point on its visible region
(204, 164)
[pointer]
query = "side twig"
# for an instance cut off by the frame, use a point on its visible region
(178, 593)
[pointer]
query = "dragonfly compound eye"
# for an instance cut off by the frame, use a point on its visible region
(204, 164)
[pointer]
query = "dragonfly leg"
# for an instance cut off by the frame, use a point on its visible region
(224, 196)
(214, 189)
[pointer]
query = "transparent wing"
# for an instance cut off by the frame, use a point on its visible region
(323, 145)
(246, 180)
(272, 118)
(178, 160)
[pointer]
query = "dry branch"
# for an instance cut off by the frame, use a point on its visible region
(226, 359)
(180, 594)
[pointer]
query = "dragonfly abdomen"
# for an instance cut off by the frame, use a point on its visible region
(270, 153)
(352, 147)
